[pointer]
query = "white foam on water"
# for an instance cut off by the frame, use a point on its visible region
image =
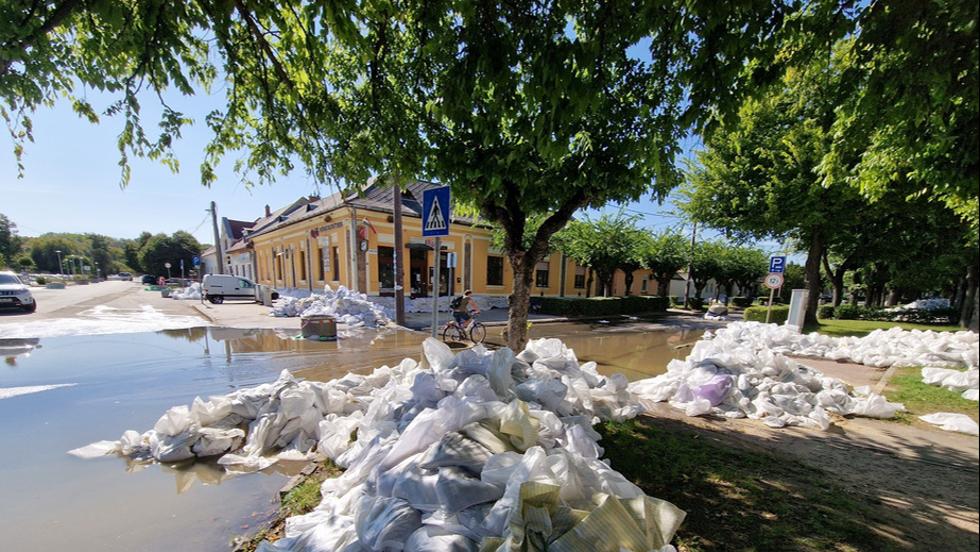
(101, 320)
(8, 392)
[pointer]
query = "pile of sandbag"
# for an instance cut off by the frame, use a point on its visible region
(192, 291)
(350, 308)
(735, 373)
(481, 450)
(929, 304)
(880, 348)
(966, 382)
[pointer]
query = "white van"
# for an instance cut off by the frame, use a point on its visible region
(218, 287)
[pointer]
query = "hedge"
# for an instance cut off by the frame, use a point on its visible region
(758, 314)
(764, 300)
(848, 311)
(741, 302)
(598, 306)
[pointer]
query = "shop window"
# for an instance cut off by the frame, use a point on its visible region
(302, 265)
(495, 271)
(541, 273)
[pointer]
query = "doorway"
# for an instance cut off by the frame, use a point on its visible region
(418, 271)
(386, 271)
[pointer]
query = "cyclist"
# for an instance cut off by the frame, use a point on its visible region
(461, 307)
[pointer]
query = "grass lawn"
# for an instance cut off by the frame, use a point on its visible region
(859, 328)
(737, 499)
(919, 398)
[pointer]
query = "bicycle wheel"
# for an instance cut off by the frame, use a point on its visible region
(478, 332)
(452, 333)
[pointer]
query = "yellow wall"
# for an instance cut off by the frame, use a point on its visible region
(334, 231)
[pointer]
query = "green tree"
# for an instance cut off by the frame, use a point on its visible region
(606, 244)
(161, 249)
(666, 254)
(706, 264)
(743, 267)
(10, 242)
(757, 177)
(44, 251)
(912, 113)
(522, 108)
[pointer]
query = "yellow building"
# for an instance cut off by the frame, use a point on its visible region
(350, 241)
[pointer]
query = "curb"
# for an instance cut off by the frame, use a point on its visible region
(204, 313)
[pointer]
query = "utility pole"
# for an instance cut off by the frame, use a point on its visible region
(217, 239)
(690, 266)
(399, 249)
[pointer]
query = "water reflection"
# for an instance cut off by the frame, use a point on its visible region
(10, 349)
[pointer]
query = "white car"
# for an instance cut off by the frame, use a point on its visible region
(13, 293)
(218, 287)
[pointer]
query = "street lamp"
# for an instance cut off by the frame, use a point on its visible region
(60, 268)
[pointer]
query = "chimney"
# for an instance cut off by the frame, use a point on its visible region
(268, 212)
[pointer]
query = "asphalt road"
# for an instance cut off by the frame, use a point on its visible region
(69, 302)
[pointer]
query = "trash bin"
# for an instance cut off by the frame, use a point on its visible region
(319, 326)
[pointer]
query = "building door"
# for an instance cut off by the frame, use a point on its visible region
(386, 270)
(418, 272)
(446, 275)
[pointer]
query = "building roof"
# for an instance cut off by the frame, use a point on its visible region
(240, 245)
(237, 228)
(209, 251)
(375, 197)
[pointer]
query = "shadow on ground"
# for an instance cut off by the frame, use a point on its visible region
(741, 492)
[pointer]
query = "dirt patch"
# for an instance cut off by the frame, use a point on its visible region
(863, 485)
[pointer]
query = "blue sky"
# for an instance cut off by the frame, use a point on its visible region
(71, 181)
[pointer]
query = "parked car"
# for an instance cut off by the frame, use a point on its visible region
(15, 294)
(125, 276)
(218, 287)
(148, 280)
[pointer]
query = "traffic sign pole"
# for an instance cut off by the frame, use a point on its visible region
(436, 288)
(772, 293)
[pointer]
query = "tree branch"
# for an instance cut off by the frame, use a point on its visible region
(57, 17)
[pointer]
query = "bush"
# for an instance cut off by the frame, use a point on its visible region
(741, 302)
(40, 280)
(758, 314)
(764, 300)
(696, 303)
(598, 306)
(677, 300)
(847, 311)
(825, 311)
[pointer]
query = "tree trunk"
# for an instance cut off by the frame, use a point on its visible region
(892, 300)
(836, 278)
(588, 283)
(967, 313)
(960, 293)
(975, 321)
(812, 269)
(663, 286)
(698, 288)
(520, 302)
(628, 276)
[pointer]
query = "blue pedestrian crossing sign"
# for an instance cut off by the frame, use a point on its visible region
(435, 212)
(777, 264)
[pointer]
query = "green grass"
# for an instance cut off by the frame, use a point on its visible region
(737, 499)
(303, 497)
(919, 398)
(859, 328)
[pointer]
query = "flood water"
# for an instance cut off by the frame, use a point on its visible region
(52, 501)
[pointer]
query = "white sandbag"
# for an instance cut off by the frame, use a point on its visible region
(349, 308)
(948, 421)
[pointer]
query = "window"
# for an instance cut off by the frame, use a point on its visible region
(643, 284)
(244, 284)
(579, 277)
(495, 271)
(386, 268)
(336, 264)
(302, 264)
(278, 263)
(541, 275)
(324, 263)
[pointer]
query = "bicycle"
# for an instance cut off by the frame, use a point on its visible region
(453, 332)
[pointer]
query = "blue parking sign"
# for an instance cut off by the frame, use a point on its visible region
(196, 261)
(777, 264)
(435, 212)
